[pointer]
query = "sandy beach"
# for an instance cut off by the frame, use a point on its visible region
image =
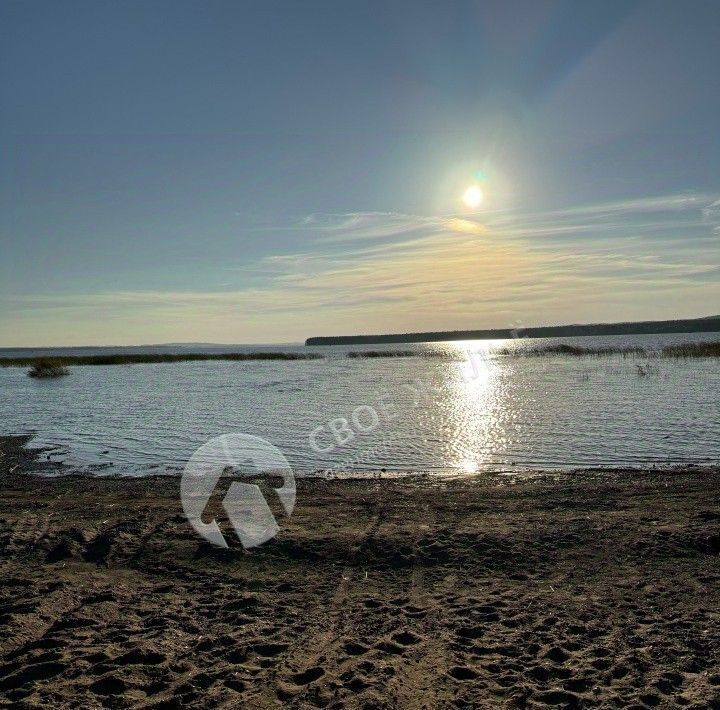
(592, 589)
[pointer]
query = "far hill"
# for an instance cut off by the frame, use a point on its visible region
(710, 324)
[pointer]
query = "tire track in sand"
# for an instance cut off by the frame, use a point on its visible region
(416, 677)
(310, 651)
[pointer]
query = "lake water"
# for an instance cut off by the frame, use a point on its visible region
(466, 410)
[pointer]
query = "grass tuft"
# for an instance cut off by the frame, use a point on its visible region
(48, 367)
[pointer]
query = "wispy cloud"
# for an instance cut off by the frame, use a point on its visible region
(356, 226)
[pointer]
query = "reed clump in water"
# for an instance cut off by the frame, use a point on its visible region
(647, 369)
(441, 354)
(692, 350)
(145, 358)
(687, 350)
(383, 353)
(48, 367)
(669, 351)
(573, 351)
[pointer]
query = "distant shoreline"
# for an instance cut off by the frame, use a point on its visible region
(692, 325)
(681, 350)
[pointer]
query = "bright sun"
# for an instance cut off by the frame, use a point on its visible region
(473, 196)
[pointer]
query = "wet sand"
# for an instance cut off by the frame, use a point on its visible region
(593, 589)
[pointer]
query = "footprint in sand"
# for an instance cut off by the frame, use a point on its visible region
(355, 649)
(269, 650)
(462, 673)
(406, 638)
(308, 676)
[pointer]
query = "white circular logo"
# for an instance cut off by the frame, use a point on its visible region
(224, 459)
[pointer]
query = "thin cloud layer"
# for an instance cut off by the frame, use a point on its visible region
(399, 272)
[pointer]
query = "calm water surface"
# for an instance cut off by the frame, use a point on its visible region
(446, 414)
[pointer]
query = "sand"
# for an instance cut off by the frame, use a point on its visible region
(592, 589)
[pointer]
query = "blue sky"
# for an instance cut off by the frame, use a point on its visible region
(265, 171)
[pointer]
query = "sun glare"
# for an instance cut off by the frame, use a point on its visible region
(472, 197)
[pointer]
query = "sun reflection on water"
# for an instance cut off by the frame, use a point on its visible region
(474, 397)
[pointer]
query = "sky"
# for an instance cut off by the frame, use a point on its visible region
(262, 172)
